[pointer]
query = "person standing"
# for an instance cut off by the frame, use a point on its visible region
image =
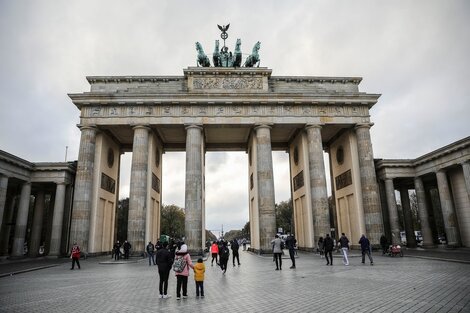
(127, 247)
(344, 244)
(150, 248)
(277, 251)
(320, 246)
(199, 269)
(164, 260)
(224, 255)
(182, 277)
(235, 246)
(75, 255)
(383, 244)
(328, 246)
(244, 244)
(290, 244)
(214, 253)
(365, 249)
(117, 251)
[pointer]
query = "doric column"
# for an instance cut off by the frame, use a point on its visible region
(392, 211)
(369, 187)
(57, 220)
(194, 188)
(36, 229)
(82, 202)
(3, 196)
(318, 192)
(448, 210)
(138, 190)
(266, 202)
(466, 174)
(423, 212)
(21, 221)
(408, 218)
(6, 230)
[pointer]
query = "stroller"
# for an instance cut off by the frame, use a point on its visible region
(395, 250)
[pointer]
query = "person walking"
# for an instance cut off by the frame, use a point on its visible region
(75, 255)
(127, 247)
(344, 244)
(365, 249)
(320, 246)
(150, 248)
(164, 260)
(117, 251)
(328, 246)
(290, 244)
(199, 269)
(224, 255)
(235, 246)
(182, 257)
(214, 253)
(277, 251)
(244, 244)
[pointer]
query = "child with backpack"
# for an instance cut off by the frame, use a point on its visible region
(181, 267)
(199, 270)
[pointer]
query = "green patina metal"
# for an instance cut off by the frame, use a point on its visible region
(223, 57)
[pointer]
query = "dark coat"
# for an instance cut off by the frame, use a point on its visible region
(164, 259)
(365, 243)
(328, 244)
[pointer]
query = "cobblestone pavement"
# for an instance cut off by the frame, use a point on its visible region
(392, 285)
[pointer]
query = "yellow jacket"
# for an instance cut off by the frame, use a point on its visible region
(199, 269)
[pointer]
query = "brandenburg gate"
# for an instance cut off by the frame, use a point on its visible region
(225, 108)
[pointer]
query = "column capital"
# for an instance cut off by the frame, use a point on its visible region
(263, 125)
(60, 183)
(467, 162)
(319, 126)
(440, 170)
(188, 126)
(84, 127)
(140, 126)
(363, 125)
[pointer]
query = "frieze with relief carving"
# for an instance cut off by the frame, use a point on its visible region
(221, 110)
(228, 83)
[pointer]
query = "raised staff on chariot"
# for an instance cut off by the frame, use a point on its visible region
(224, 57)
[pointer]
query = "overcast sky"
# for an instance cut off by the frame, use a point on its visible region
(414, 53)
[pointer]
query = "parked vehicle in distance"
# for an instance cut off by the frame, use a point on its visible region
(418, 236)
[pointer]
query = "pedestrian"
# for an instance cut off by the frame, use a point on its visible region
(320, 246)
(277, 251)
(214, 253)
(117, 251)
(224, 255)
(328, 246)
(150, 248)
(199, 269)
(290, 244)
(365, 249)
(235, 246)
(164, 260)
(383, 244)
(75, 255)
(182, 257)
(244, 244)
(127, 247)
(344, 244)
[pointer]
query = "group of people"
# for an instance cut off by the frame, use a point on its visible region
(221, 254)
(117, 253)
(326, 246)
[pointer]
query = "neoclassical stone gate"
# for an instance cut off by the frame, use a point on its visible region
(225, 109)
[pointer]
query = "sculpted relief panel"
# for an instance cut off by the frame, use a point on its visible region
(228, 83)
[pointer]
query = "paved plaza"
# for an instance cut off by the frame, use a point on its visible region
(408, 284)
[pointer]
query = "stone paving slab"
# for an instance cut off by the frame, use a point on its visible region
(391, 285)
